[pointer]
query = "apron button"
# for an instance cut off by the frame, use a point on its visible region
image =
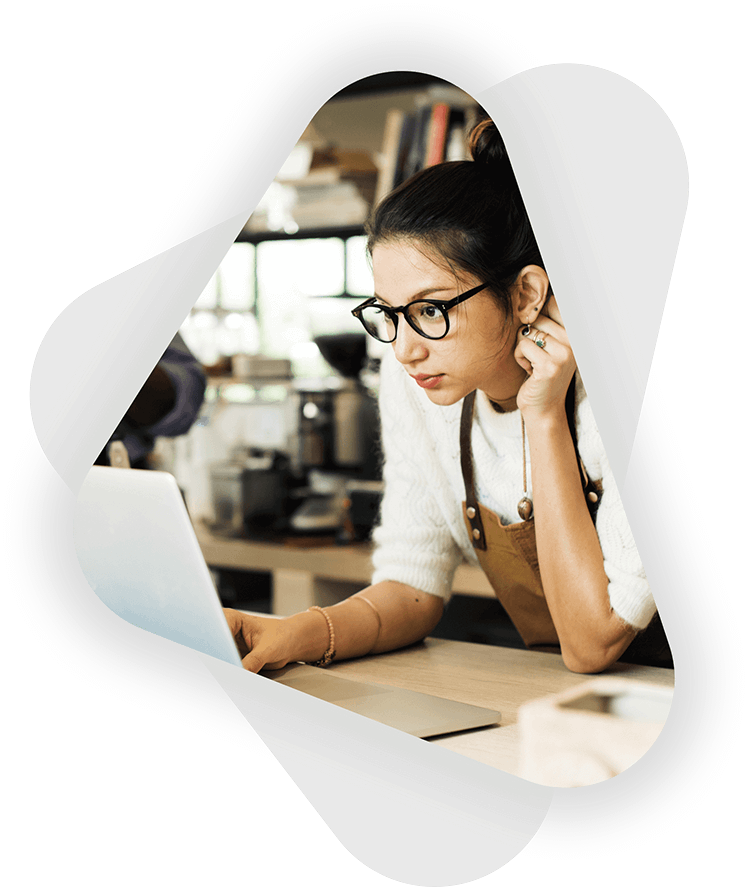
(477, 534)
(471, 512)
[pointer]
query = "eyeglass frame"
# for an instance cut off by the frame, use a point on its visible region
(393, 313)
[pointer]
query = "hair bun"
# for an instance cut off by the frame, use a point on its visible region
(486, 145)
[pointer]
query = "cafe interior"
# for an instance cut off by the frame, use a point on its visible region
(281, 469)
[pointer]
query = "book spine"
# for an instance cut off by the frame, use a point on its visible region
(437, 135)
(389, 154)
(415, 158)
(404, 147)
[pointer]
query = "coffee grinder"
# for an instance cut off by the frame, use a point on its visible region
(338, 434)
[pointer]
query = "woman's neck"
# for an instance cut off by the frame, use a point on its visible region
(503, 406)
(503, 388)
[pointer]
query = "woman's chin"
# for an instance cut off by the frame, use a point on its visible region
(445, 397)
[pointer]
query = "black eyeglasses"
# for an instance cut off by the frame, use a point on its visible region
(427, 317)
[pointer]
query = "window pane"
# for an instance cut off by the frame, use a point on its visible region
(237, 334)
(199, 333)
(358, 272)
(237, 278)
(289, 272)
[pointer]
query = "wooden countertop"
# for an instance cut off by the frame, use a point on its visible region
(500, 678)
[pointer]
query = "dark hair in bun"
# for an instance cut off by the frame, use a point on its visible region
(485, 145)
(468, 212)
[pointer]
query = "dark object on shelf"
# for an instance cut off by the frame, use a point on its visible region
(253, 496)
(266, 500)
(345, 352)
(339, 426)
(361, 510)
(244, 589)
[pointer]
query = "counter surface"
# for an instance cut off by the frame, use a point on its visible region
(494, 677)
(499, 678)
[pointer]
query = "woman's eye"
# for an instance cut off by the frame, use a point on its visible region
(429, 312)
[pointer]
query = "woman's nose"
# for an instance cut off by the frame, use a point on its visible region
(409, 346)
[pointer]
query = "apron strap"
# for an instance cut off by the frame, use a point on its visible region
(478, 536)
(473, 512)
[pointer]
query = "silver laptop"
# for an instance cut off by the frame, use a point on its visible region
(138, 550)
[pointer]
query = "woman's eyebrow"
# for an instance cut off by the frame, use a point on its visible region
(422, 294)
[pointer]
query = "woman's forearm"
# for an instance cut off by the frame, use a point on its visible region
(396, 615)
(575, 584)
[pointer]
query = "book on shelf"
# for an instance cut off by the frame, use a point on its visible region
(434, 132)
(389, 153)
(436, 137)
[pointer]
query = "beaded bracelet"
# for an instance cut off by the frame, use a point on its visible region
(329, 655)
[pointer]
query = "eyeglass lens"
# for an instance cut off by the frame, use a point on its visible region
(428, 319)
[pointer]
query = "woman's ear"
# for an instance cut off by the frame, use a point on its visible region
(530, 293)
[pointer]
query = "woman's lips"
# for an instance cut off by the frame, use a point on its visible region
(427, 381)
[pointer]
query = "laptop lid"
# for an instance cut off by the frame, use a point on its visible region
(138, 550)
(139, 553)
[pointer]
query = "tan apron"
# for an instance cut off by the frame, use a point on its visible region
(507, 554)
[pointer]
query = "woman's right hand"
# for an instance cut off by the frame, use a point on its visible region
(263, 642)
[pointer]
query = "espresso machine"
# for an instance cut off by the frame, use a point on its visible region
(338, 439)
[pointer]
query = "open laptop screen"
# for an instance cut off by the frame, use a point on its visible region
(138, 551)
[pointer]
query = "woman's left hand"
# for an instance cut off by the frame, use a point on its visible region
(550, 369)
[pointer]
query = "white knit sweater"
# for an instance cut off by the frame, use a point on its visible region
(421, 538)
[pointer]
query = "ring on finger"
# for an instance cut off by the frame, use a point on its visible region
(537, 335)
(539, 339)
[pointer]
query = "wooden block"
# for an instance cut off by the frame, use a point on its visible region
(591, 732)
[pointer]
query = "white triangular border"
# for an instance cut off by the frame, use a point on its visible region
(490, 816)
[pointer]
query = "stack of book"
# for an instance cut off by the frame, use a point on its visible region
(435, 132)
(337, 190)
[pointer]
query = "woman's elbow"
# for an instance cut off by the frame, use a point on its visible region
(592, 659)
(587, 662)
(592, 655)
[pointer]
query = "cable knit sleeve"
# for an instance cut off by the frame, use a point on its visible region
(629, 590)
(413, 543)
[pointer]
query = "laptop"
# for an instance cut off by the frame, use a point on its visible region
(138, 550)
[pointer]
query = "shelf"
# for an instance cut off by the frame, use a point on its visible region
(342, 231)
(323, 575)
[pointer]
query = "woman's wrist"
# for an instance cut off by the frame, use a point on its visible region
(548, 422)
(310, 637)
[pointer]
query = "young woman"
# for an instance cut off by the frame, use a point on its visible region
(491, 450)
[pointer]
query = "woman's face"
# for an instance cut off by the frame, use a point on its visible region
(477, 352)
